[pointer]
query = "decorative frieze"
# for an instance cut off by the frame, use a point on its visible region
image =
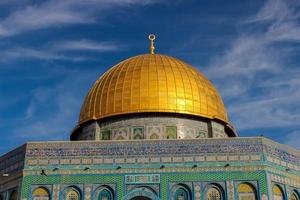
(145, 159)
(142, 178)
(157, 127)
(283, 163)
(285, 180)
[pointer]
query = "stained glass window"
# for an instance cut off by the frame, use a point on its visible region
(213, 194)
(181, 194)
(72, 195)
(246, 192)
(105, 195)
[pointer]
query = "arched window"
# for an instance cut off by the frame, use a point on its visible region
(72, 194)
(246, 192)
(213, 193)
(277, 193)
(13, 195)
(41, 193)
(105, 194)
(294, 196)
(181, 194)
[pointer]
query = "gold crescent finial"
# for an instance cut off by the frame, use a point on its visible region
(152, 38)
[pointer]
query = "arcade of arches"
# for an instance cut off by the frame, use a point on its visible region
(245, 191)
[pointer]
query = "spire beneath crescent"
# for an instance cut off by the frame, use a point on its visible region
(152, 38)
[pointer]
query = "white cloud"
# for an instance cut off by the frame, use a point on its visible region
(18, 52)
(30, 110)
(86, 45)
(293, 139)
(254, 74)
(48, 14)
(247, 55)
(283, 19)
(287, 31)
(53, 110)
(267, 113)
(58, 50)
(56, 13)
(40, 54)
(276, 10)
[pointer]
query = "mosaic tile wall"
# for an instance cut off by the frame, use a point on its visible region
(161, 185)
(136, 128)
(139, 151)
(155, 164)
(90, 132)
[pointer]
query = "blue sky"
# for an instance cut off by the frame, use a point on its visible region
(52, 51)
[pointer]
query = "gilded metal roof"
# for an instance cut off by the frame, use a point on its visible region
(152, 83)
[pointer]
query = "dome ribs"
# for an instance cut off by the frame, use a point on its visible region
(152, 83)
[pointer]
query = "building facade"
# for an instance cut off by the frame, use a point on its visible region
(152, 128)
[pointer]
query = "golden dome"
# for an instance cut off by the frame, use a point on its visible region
(152, 83)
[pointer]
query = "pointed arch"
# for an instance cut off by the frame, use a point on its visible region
(214, 192)
(41, 193)
(246, 191)
(278, 193)
(104, 192)
(181, 192)
(294, 195)
(141, 193)
(71, 193)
